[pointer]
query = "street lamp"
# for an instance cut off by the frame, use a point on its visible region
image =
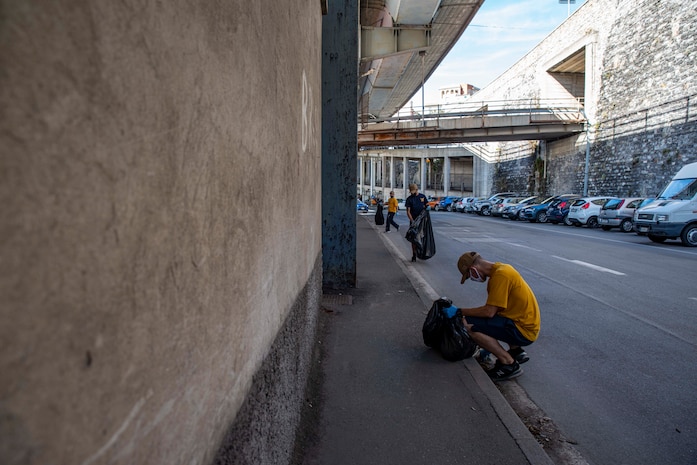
(422, 54)
(588, 155)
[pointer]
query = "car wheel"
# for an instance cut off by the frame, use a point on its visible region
(606, 228)
(659, 239)
(626, 225)
(689, 235)
(566, 220)
(592, 222)
(448, 208)
(486, 211)
(541, 217)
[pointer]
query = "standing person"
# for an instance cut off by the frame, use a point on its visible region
(511, 314)
(415, 203)
(392, 208)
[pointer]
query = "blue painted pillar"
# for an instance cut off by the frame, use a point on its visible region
(339, 143)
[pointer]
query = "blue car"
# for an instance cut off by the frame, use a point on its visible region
(537, 213)
(361, 207)
(447, 204)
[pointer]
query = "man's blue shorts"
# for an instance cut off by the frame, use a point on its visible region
(500, 328)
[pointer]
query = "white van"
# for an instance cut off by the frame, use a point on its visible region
(674, 212)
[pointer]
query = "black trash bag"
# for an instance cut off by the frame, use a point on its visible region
(456, 343)
(432, 329)
(447, 335)
(420, 232)
(379, 217)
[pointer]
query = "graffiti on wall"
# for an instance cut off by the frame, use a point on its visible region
(308, 125)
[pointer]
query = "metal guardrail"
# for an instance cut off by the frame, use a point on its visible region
(565, 109)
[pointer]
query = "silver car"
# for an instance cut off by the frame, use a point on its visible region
(619, 213)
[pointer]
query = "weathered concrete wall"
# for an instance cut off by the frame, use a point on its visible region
(161, 237)
(639, 91)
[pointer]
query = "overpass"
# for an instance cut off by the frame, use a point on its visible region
(476, 121)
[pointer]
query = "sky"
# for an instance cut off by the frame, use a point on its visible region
(500, 34)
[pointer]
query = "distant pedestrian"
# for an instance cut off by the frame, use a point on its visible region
(415, 204)
(511, 314)
(392, 207)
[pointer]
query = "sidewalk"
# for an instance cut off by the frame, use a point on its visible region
(388, 399)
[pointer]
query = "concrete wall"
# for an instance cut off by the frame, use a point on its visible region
(639, 90)
(160, 233)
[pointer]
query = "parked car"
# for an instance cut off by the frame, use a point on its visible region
(585, 211)
(537, 213)
(513, 210)
(361, 207)
(501, 204)
(401, 205)
(674, 214)
(460, 204)
(643, 203)
(619, 213)
(483, 207)
(469, 206)
(446, 203)
(558, 210)
(433, 202)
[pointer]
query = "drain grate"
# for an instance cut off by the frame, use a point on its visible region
(337, 299)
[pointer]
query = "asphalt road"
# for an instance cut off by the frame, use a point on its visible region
(616, 362)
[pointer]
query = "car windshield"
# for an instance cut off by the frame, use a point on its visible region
(578, 202)
(680, 189)
(613, 204)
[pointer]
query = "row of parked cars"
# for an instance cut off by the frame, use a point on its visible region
(670, 215)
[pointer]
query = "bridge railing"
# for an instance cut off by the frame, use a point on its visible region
(569, 109)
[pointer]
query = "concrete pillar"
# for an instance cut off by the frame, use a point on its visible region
(405, 176)
(339, 143)
(383, 170)
(423, 168)
(446, 175)
(361, 174)
(372, 177)
(392, 174)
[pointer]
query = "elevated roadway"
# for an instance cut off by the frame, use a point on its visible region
(476, 122)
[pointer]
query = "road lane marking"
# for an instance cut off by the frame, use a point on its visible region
(524, 247)
(592, 266)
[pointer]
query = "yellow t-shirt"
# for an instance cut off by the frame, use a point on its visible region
(508, 290)
(392, 205)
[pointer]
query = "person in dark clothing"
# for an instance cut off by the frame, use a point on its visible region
(415, 204)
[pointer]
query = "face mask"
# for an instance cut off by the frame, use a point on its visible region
(476, 277)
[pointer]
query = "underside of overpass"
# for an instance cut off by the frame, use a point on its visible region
(400, 43)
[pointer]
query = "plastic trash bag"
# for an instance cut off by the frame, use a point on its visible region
(379, 217)
(420, 233)
(456, 343)
(447, 335)
(432, 330)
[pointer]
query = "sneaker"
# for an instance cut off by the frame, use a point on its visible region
(502, 372)
(519, 355)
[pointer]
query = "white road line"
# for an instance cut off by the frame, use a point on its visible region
(524, 247)
(693, 298)
(590, 265)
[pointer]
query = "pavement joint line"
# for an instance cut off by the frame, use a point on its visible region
(533, 450)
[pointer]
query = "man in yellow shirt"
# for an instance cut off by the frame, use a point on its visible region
(392, 208)
(511, 314)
